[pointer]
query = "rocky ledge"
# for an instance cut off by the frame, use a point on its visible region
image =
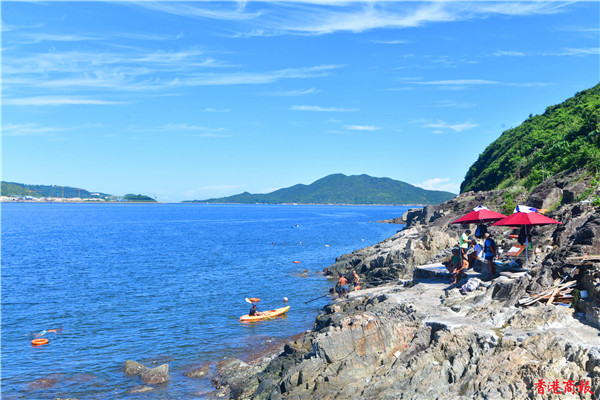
(407, 338)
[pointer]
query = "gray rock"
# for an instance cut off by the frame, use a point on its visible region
(133, 368)
(156, 375)
(140, 389)
(199, 372)
(572, 192)
(41, 384)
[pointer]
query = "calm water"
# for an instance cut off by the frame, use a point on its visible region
(159, 283)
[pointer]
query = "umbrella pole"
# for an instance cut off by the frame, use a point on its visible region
(526, 246)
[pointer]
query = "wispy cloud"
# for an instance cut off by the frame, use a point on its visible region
(462, 83)
(391, 41)
(578, 52)
(363, 128)
(439, 184)
(205, 131)
(443, 126)
(299, 92)
(56, 101)
(455, 104)
(319, 18)
(458, 82)
(323, 109)
(228, 11)
(28, 129)
(211, 109)
(510, 53)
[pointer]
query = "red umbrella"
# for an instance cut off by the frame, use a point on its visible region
(524, 219)
(479, 215)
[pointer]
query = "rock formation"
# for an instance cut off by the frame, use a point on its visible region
(426, 339)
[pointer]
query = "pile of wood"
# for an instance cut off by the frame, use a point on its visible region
(559, 293)
(584, 259)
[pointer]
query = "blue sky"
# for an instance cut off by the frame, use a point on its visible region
(192, 100)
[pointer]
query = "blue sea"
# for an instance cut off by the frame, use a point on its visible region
(160, 283)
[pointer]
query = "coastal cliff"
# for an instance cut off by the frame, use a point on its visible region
(410, 338)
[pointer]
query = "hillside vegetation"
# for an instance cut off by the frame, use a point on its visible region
(565, 137)
(342, 189)
(13, 189)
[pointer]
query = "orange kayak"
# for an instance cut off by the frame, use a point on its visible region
(265, 314)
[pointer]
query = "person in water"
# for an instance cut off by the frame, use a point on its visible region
(254, 312)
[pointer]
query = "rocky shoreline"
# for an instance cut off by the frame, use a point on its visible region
(422, 338)
(408, 334)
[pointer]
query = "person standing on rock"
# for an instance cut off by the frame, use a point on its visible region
(355, 279)
(343, 285)
(490, 251)
(463, 242)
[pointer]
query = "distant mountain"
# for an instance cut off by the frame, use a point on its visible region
(342, 189)
(13, 189)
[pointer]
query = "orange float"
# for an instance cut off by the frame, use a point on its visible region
(39, 342)
(254, 299)
(296, 262)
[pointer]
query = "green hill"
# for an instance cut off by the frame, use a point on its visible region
(342, 189)
(21, 189)
(565, 137)
(13, 189)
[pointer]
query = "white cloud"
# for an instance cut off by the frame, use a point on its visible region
(510, 53)
(193, 130)
(363, 128)
(29, 129)
(299, 92)
(578, 52)
(442, 125)
(211, 109)
(439, 184)
(391, 41)
(319, 18)
(458, 82)
(323, 109)
(229, 11)
(56, 101)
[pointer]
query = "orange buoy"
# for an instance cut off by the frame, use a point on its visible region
(39, 342)
(254, 299)
(296, 262)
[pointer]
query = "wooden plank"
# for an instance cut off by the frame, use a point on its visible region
(553, 295)
(515, 250)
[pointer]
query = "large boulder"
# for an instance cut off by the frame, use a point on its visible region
(41, 384)
(545, 197)
(572, 192)
(156, 375)
(133, 368)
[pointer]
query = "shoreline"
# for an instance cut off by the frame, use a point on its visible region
(389, 340)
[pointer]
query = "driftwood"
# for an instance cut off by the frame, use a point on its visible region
(584, 259)
(558, 292)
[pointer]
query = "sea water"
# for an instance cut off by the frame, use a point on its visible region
(160, 283)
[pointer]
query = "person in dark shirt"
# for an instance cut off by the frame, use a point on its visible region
(490, 251)
(253, 311)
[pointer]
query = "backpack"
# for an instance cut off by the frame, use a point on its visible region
(480, 231)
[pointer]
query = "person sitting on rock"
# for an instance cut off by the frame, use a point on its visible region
(456, 265)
